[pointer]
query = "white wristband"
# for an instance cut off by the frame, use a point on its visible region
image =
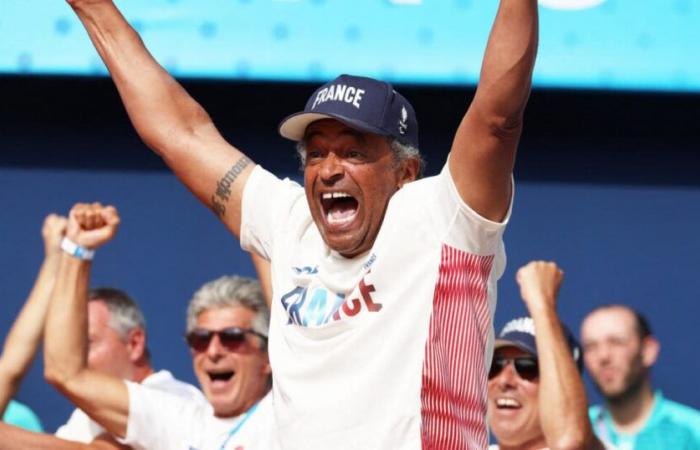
(77, 251)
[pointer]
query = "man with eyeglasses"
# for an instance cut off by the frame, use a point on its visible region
(536, 398)
(227, 321)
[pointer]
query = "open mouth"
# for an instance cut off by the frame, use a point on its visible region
(507, 403)
(220, 376)
(339, 208)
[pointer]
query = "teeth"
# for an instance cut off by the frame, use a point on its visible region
(330, 195)
(508, 402)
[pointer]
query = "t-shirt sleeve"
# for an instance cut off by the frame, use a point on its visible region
(462, 227)
(266, 206)
(158, 420)
(79, 428)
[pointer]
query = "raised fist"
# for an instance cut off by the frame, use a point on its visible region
(52, 232)
(539, 283)
(92, 225)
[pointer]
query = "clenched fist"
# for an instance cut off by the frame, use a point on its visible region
(92, 225)
(539, 283)
(52, 232)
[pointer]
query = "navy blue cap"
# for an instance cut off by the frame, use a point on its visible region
(520, 333)
(362, 103)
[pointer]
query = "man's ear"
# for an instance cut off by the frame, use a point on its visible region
(650, 351)
(408, 171)
(136, 344)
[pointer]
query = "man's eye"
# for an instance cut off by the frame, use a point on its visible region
(313, 154)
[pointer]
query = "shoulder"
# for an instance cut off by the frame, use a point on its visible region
(21, 415)
(681, 413)
(164, 380)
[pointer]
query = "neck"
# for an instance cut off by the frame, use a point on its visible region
(141, 371)
(630, 412)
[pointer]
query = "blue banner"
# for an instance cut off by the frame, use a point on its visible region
(598, 44)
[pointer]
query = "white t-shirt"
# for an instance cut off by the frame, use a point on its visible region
(388, 350)
(81, 428)
(159, 421)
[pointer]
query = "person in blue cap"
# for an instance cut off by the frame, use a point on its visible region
(383, 287)
(536, 398)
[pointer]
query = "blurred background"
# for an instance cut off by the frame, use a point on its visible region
(607, 179)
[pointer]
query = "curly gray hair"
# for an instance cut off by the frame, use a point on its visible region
(231, 291)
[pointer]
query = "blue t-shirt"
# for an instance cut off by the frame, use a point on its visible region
(670, 426)
(20, 415)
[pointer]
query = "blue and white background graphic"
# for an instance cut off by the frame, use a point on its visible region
(599, 44)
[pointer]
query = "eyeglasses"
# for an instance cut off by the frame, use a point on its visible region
(526, 367)
(231, 338)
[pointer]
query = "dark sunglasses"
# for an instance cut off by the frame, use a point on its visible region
(526, 367)
(231, 338)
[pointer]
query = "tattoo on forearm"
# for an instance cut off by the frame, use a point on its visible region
(223, 186)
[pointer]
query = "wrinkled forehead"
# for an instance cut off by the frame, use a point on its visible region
(332, 128)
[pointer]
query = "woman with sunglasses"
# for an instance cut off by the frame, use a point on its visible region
(536, 400)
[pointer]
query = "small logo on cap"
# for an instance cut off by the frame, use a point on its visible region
(403, 126)
(521, 325)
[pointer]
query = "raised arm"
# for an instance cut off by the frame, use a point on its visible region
(102, 397)
(562, 398)
(483, 152)
(168, 120)
(25, 335)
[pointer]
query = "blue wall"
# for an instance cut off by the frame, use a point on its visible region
(619, 215)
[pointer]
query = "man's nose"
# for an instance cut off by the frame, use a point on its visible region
(215, 349)
(332, 169)
(508, 375)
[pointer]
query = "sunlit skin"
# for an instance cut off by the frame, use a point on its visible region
(517, 426)
(340, 159)
(249, 365)
(613, 351)
(108, 351)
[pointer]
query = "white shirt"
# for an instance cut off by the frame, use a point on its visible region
(160, 421)
(390, 349)
(81, 428)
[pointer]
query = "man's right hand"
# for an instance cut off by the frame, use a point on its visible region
(52, 232)
(92, 225)
(539, 283)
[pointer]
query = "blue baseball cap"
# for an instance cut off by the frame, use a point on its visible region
(362, 103)
(520, 333)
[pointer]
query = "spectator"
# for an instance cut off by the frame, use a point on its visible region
(536, 398)
(345, 318)
(25, 335)
(117, 347)
(619, 352)
(226, 330)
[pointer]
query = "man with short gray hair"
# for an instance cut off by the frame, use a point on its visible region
(117, 346)
(226, 332)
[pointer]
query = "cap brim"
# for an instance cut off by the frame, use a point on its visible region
(294, 126)
(500, 343)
